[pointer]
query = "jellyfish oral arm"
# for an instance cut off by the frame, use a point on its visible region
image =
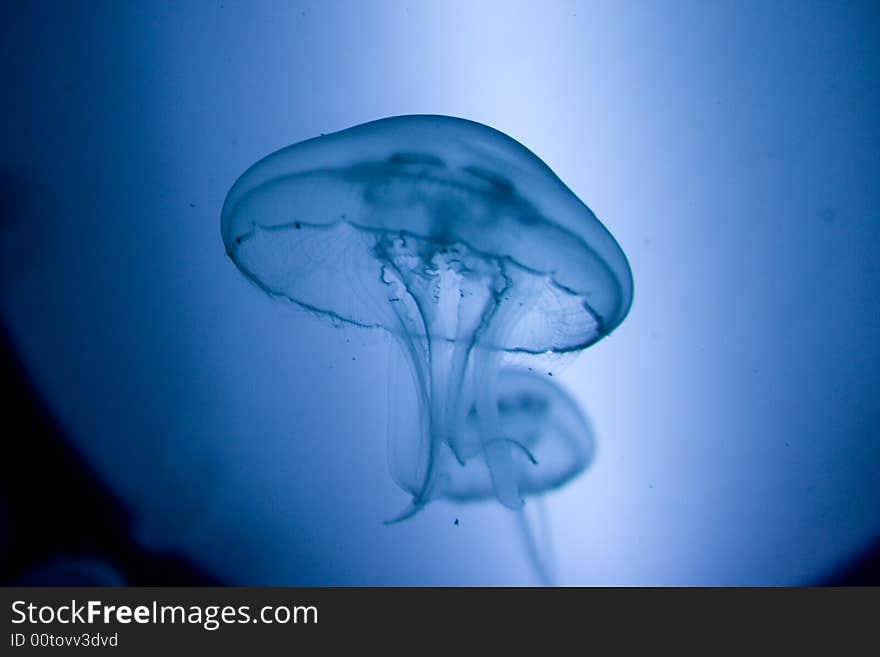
(496, 449)
(450, 311)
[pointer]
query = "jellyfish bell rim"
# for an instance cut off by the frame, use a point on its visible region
(466, 146)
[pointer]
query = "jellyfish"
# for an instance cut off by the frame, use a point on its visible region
(550, 438)
(458, 241)
(554, 444)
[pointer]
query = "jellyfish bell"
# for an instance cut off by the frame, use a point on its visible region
(453, 237)
(551, 439)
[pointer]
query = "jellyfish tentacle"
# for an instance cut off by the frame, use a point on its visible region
(540, 556)
(518, 445)
(424, 377)
(457, 438)
(396, 441)
(487, 364)
(416, 504)
(473, 320)
(408, 512)
(499, 459)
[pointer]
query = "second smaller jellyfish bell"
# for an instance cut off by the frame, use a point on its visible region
(462, 244)
(550, 439)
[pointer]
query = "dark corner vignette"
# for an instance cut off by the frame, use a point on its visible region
(59, 524)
